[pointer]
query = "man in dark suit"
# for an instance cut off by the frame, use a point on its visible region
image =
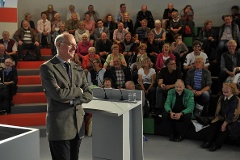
(100, 28)
(66, 89)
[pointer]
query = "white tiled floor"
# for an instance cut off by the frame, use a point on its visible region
(160, 148)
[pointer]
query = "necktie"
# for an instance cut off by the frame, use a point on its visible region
(67, 67)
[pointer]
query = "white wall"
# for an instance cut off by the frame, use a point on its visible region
(204, 9)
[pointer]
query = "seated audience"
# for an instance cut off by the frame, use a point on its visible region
(10, 46)
(100, 28)
(179, 108)
(110, 24)
(129, 85)
(225, 125)
(118, 73)
(27, 17)
(72, 24)
(141, 32)
(141, 52)
(3, 55)
(166, 80)
(27, 39)
(235, 15)
(208, 37)
(93, 14)
(87, 60)
(70, 11)
(103, 46)
(144, 14)
(80, 31)
(107, 83)
(50, 13)
(10, 80)
(146, 80)
(152, 47)
(190, 58)
(228, 31)
(55, 34)
(159, 34)
(56, 23)
(128, 47)
(167, 16)
(115, 53)
(229, 61)
(84, 45)
(127, 22)
(96, 74)
(199, 81)
(44, 30)
(176, 26)
(120, 15)
(119, 33)
(179, 49)
(89, 24)
(187, 19)
(163, 56)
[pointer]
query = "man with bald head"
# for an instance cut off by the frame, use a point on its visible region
(144, 14)
(27, 39)
(72, 24)
(66, 88)
(167, 15)
(179, 108)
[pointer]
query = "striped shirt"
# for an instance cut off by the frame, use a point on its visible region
(197, 80)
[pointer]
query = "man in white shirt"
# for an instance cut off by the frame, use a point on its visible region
(190, 58)
(44, 29)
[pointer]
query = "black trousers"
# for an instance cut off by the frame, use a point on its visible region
(214, 135)
(178, 127)
(30, 47)
(65, 149)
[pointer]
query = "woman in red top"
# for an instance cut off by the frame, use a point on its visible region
(162, 57)
(84, 45)
(87, 60)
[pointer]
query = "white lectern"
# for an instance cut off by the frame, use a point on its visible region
(19, 143)
(117, 132)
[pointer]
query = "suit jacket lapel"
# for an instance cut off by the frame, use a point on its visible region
(58, 65)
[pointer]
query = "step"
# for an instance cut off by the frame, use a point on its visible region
(46, 57)
(45, 51)
(30, 88)
(29, 64)
(28, 119)
(34, 97)
(25, 80)
(27, 72)
(29, 108)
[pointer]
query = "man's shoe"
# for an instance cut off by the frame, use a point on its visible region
(179, 139)
(214, 147)
(206, 145)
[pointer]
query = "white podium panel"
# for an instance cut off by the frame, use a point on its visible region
(117, 131)
(19, 143)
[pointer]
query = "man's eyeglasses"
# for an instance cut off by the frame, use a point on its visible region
(70, 44)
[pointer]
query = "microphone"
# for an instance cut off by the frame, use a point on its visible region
(105, 94)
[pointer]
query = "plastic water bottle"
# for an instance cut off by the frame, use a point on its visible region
(130, 97)
(134, 97)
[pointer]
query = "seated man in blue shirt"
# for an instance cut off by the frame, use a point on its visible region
(199, 81)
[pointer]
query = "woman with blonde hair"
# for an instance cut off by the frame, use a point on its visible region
(115, 53)
(80, 31)
(27, 17)
(146, 80)
(226, 123)
(163, 56)
(127, 22)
